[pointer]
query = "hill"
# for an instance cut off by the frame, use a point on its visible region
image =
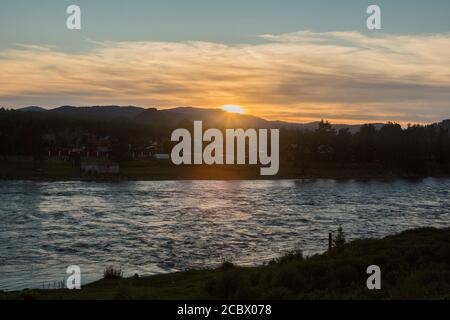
(32, 109)
(173, 117)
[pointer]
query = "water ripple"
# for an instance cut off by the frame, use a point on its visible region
(154, 227)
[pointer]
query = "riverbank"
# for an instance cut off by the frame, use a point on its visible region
(414, 265)
(23, 168)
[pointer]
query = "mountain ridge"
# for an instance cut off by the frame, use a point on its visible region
(173, 116)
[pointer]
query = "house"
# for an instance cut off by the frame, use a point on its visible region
(325, 152)
(109, 168)
(162, 157)
(143, 153)
(49, 137)
(103, 151)
(325, 149)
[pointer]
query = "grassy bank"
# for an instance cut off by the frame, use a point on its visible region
(23, 168)
(414, 264)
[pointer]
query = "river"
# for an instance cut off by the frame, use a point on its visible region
(153, 227)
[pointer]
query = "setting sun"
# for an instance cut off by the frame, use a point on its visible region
(233, 109)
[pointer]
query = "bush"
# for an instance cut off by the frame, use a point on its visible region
(340, 238)
(113, 273)
(229, 285)
(226, 265)
(295, 255)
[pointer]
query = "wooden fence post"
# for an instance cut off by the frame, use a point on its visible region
(330, 240)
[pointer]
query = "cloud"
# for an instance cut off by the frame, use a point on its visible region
(301, 76)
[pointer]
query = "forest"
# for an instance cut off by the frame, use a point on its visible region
(419, 149)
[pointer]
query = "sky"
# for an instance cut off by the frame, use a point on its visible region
(282, 60)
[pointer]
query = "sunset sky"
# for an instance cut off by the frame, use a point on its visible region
(282, 60)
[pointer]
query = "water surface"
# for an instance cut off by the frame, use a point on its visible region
(163, 226)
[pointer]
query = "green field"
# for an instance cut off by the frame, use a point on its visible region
(23, 168)
(414, 265)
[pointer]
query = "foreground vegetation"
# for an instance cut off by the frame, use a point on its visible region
(414, 264)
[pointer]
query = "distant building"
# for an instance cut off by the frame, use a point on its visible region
(325, 149)
(143, 153)
(325, 152)
(162, 156)
(49, 137)
(100, 168)
(103, 151)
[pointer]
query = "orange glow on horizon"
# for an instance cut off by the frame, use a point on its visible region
(299, 77)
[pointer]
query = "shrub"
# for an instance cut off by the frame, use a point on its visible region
(340, 238)
(226, 265)
(112, 273)
(296, 255)
(227, 285)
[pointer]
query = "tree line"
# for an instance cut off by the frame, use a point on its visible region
(416, 148)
